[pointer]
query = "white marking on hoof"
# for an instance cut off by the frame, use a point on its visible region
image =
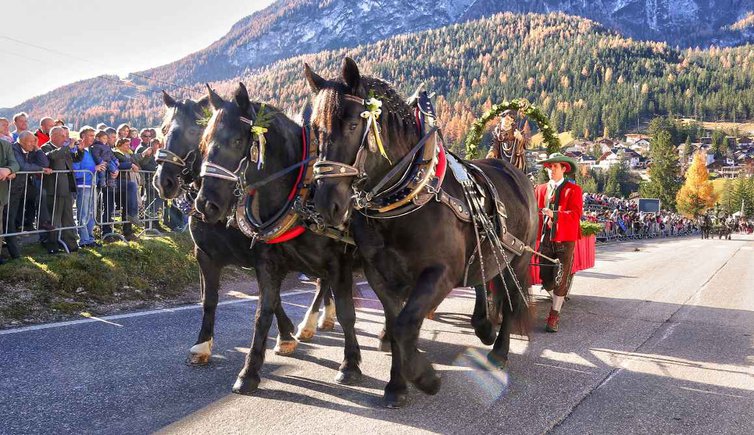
(308, 327)
(327, 319)
(285, 347)
(305, 334)
(201, 353)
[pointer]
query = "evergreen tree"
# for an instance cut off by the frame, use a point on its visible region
(612, 185)
(726, 200)
(664, 180)
(697, 193)
(688, 149)
(719, 146)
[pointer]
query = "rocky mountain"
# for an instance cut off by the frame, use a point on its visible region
(587, 79)
(684, 23)
(288, 28)
(292, 27)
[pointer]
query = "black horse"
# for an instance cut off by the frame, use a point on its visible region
(420, 257)
(227, 142)
(216, 245)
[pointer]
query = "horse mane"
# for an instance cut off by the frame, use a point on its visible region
(219, 115)
(329, 105)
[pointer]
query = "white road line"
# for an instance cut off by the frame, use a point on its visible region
(106, 319)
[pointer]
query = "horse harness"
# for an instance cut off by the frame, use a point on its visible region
(296, 215)
(185, 181)
(419, 176)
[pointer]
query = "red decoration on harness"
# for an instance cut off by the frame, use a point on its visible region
(288, 235)
(442, 164)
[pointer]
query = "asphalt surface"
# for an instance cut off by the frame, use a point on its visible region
(657, 338)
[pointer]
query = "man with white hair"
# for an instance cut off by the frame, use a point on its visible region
(21, 121)
(25, 189)
(8, 168)
(5, 130)
(61, 187)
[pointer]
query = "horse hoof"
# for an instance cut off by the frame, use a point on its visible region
(348, 376)
(385, 346)
(305, 335)
(485, 332)
(428, 382)
(326, 325)
(199, 359)
(245, 386)
(200, 353)
(286, 347)
(497, 361)
(395, 399)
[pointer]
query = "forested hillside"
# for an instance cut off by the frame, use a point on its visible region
(588, 79)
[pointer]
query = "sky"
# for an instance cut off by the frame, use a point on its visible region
(45, 44)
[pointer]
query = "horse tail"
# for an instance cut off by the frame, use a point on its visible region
(512, 300)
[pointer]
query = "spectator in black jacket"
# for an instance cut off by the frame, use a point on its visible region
(29, 158)
(144, 156)
(8, 169)
(61, 187)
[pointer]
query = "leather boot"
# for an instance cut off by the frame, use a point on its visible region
(552, 321)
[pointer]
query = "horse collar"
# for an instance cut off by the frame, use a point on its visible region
(284, 224)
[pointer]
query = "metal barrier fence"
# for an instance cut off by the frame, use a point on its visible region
(40, 202)
(64, 212)
(614, 232)
(128, 200)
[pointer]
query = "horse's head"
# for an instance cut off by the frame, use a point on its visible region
(179, 160)
(244, 142)
(362, 125)
(225, 144)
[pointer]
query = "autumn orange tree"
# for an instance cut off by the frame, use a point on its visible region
(697, 193)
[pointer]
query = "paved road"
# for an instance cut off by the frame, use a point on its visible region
(657, 338)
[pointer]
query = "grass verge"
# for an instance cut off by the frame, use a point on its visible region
(42, 287)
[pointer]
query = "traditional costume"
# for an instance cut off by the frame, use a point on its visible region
(558, 235)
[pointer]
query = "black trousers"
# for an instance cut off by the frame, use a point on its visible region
(62, 216)
(15, 212)
(562, 251)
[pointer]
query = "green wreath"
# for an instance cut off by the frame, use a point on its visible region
(519, 104)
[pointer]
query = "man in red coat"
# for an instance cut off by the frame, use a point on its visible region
(560, 204)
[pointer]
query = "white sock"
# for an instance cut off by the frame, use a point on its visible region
(557, 302)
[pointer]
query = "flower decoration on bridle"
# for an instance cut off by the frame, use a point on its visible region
(372, 132)
(259, 126)
(203, 121)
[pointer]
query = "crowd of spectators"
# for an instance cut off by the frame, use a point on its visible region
(621, 218)
(79, 181)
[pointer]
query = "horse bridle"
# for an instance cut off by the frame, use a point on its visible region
(331, 169)
(238, 175)
(165, 155)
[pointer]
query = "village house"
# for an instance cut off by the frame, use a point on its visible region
(633, 138)
(607, 159)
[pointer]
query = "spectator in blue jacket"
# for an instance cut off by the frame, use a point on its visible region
(85, 181)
